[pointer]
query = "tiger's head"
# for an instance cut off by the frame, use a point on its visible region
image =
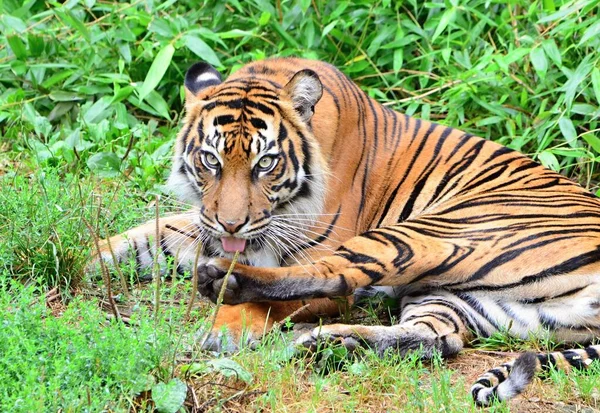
(246, 157)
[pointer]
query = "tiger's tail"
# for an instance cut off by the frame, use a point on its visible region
(511, 378)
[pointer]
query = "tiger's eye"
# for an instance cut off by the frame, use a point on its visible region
(211, 160)
(266, 162)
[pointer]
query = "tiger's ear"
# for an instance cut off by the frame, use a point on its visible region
(197, 78)
(305, 89)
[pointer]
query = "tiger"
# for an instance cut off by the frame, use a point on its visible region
(324, 193)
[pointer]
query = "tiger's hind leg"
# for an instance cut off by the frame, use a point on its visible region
(439, 322)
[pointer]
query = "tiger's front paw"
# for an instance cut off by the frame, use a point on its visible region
(227, 340)
(335, 334)
(210, 281)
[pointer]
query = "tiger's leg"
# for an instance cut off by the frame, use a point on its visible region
(178, 236)
(392, 256)
(438, 322)
(244, 324)
(571, 316)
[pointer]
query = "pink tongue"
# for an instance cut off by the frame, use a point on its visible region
(231, 244)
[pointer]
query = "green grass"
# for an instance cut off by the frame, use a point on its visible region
(91, 101)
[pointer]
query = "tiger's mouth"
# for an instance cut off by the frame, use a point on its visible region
(232, 244)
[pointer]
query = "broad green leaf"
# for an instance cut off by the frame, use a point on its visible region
(230, 368)
(13, 23)
(583, 109)
(328, 28)
(592, 31)
(97, 111)
(576, 78)
(194, 368)
(71, 20)
(398, 59)
(596, 83)
(162, 27)
(563, 12)
(64, 96)
(446, 18)
(36, 44)
(570, 152)
(284, 35)
(552, 51)
(264, 18)
(122, 94)
(568, 131)
(158, 104)
(235, 33)
(57, 78)
(304, 5)
(169, 397)
(358, 368)
(202, 50)
(592, 140)
(157, 70)
(548, 159)
(549, 5)
(17, 46)
(105, 164)
(539, 61)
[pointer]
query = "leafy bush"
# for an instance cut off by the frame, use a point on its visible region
(99, 83)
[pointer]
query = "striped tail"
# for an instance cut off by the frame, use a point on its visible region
(510, 379)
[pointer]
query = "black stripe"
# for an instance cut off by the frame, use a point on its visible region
(574, 359)
(547, 361)
(565, 267)
(592, 353)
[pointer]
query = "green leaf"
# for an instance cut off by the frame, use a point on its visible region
(17, 46)
(13, 22)
(576, 78)
(157, 70)
(235, 33)
(568, 131)
(36, 44)
(158, 104)
(230, 368)
(121, 94)
(591, 32)
(64, 96)
(328, 28)
(264, 18)
(194, 369)
(97, 111)
(539, 61)
(549, 5)
(446, 18)
(105, 164)
(169, 397)
(552, 51)
(592, 140)
(358, 368)
(548, 159)
(563, 12)
(202, 50)
(571, 152)
(72, 20)
(596, 83)
(398, 59)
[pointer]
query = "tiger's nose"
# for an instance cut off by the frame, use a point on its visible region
(232, 225)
